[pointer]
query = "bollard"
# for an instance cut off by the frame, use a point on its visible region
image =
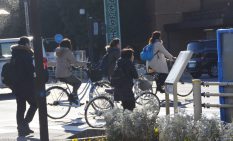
(175, 98)
(167, 103)
(197, 102)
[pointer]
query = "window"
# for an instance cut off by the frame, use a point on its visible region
(6, 49)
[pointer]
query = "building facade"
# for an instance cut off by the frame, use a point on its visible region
(182, 21)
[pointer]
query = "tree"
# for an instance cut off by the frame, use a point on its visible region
(12, 25)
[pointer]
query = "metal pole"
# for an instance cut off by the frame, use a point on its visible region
(175, 98)
(218, 94)
(218, 83)
(167, 104)
(208, 105)
(26, 17)
(197, 103)
(90, 37)
(40, 79)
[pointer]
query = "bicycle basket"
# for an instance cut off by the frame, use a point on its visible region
(144, 85)
(95, 74)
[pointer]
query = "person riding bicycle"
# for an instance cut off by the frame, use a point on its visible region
(65, 60)
(159, 64)
(111, 56)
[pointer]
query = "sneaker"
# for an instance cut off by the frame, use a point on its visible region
(161, 90)
(75, 96)
(23, 133)
(74, 99)
(28, 129)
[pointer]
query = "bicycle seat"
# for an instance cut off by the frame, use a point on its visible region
(110, 90)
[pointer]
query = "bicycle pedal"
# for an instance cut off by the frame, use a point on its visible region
(81, 104)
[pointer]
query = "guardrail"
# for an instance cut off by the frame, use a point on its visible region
(197, 96)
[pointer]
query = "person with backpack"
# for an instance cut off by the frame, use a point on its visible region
(65, 60)
(23, 84)
(122, 79)
(109, 60)
(156, 59)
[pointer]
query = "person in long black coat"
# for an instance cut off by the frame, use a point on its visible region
(123, 90)
(23, 85)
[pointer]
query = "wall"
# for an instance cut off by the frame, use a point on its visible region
(170, 11)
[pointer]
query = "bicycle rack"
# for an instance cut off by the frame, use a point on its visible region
(197, 96)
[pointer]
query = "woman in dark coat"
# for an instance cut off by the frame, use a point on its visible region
(113, 51)
(23, 85)
(125, 72)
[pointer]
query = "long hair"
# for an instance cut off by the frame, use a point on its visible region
(114, 42)
(155, 36)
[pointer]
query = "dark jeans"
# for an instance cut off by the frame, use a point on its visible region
(73, 81)
(128, 104)
(21, 100)
(160, 81)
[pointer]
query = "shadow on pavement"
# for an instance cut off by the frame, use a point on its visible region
(27, 139)
(9, 96)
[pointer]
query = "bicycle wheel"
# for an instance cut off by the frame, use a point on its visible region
(148, 99)
(99, 88)
(94, 116)
(58, 104)
(184, 86)
(137, 91)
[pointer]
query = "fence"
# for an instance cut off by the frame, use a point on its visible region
(197, 96)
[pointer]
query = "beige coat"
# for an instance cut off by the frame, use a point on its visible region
(159, 63)
(65, 60)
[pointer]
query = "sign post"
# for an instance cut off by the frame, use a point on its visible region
(112, 19)
(174, 77)
(225, 50)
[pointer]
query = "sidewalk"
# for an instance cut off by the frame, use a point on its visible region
(74, 123)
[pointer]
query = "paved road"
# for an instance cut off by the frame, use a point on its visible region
(74, 122)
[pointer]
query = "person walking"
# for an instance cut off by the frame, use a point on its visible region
(122, 79)
(111, 57)
(23, 85)
(159, 63)
(65, 60)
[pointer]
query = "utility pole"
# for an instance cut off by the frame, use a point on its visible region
(40, 83)
(26, 13)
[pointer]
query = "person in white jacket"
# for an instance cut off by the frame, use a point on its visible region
(159, 63)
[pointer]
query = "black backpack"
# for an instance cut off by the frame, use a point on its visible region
(7, 74)
(104, 64)
(118, 77)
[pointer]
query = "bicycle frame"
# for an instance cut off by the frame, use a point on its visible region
(88, 85)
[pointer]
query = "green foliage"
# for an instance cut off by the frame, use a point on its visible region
(139, 125)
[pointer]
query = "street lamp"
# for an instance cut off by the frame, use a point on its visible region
(4, 12)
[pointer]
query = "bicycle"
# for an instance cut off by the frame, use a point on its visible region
(184, 82)
(59, 98)
(97, 107)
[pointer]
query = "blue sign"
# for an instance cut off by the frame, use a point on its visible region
(224, 44)
(58, 38)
